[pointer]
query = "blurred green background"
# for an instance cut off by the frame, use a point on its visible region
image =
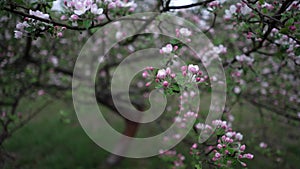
(55, 140)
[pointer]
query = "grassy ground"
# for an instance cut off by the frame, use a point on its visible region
(48, 142)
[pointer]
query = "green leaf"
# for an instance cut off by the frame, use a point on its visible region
(87, 24)
(261, 1)
(290, 22)
(284, 30)
(198, 166)
(231, 150)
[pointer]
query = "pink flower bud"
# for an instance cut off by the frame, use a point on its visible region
(175, 48)
(168, 71)
(74, 17)
(243, 164)
(248, 156)
(173, 75)
(59, 34)
(161, 74)
(194, 146)
(145, 74)
(165, 83)
(41, 92)
(148, 84)
(112, 5)
(242, 148)
(63, 17)
(217, 155)
(292, 28)
(183, 68)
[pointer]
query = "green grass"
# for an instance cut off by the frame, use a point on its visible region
(48, 143)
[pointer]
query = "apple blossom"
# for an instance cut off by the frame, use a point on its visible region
(193, 68)
(165, 83)
(167, 49)
(145, 74)
(18, 34)
(243, 147)
(239, 136)
(39, 14)
(263, 145)
(248, 156)
(185, 32)
(95, 10)
(161, 74)
(74, 17)
(245, 9)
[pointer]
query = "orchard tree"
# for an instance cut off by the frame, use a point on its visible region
(258, 42)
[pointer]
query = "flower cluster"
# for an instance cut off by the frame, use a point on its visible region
(193, 73)
(244, 59)
(21, 29)
(234, 10)
(172, 156)
(229, 148)
(35, 27)
(79, 10)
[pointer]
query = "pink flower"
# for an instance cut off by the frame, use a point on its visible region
(18, 34)
(59, 34)
(268, 6)
(249, 35)
(168, 71)
(248, 156)
(245, 10)
(263, 145)
(239, 136)
(243, 147)
(217, 155)
(112, 5)
(165, 83)
(293, 28)
(161, 74)
(183, 68)
(80, 7)
(145, 74)
(74, 17)
(41, 92)
(95, 10)
(167, 49)
(185, 32)
(243, 164)
(193, 68)
(194, 146)
(21, 26)
(148, 84)
(63, 17)
(173, 75)
(39, 14)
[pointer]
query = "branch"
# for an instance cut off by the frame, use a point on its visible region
(167, 8)
(51, 21)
